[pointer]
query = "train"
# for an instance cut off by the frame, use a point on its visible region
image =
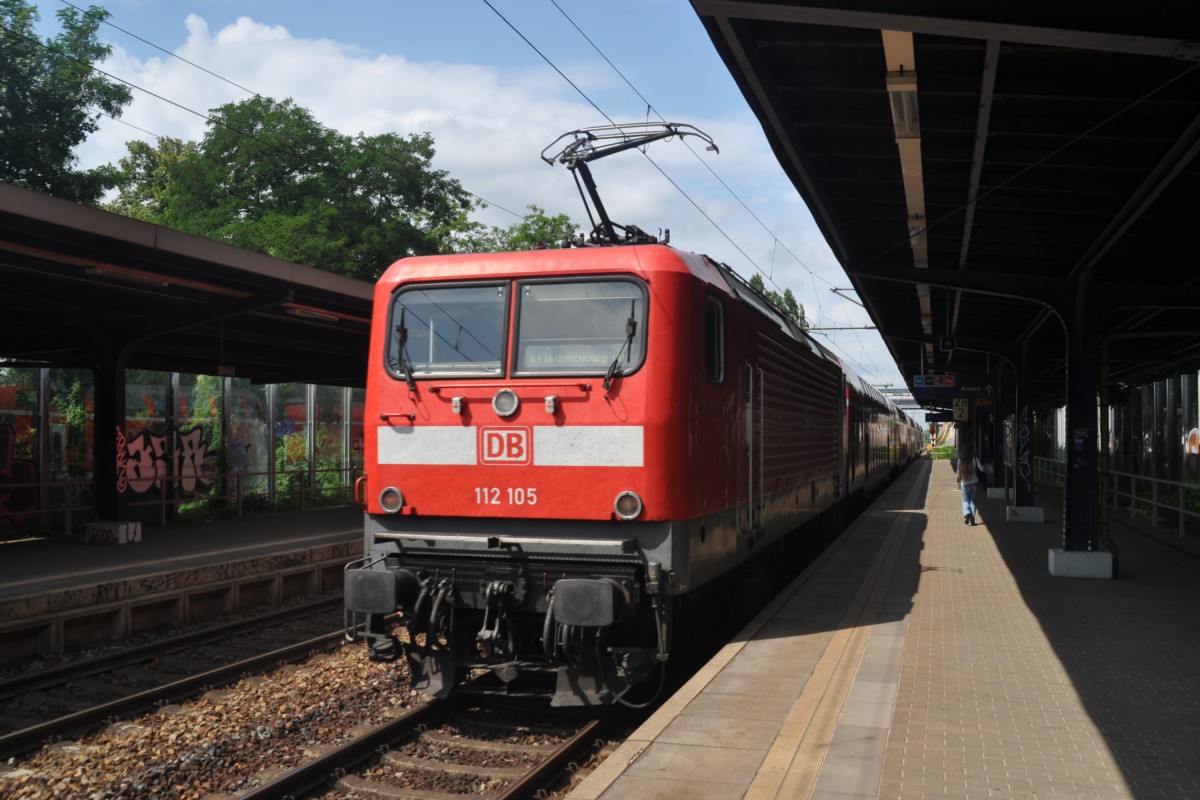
(571, 452)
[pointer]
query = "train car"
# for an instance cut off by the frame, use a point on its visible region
(566, 447)
(879, 438)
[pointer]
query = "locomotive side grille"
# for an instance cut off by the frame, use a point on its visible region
(800, 412)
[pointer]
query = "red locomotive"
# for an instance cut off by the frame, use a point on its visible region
(565, 447)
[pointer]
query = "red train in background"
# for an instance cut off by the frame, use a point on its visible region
(569, 450)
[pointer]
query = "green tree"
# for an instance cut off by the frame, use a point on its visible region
(535, 230)
(785, 302)
(147, 177)
(71, 399)
(51, 100)
(269, 177)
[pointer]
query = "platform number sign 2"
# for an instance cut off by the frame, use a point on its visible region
(962, 409)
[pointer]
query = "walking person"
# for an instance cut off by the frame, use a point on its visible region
(969, 470)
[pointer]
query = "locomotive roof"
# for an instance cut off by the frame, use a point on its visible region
(643, 261)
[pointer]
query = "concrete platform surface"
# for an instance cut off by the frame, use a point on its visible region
(65, 562)
(924, 658)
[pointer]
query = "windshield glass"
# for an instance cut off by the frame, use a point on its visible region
(452, 330)
(581, 328)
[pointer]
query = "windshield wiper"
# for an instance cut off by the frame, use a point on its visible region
(630, 330)
(402, 342)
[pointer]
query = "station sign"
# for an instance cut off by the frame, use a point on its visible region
(946, 387)
(939, 416)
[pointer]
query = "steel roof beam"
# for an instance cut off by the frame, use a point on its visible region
(865, 16)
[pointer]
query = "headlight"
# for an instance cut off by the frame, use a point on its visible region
(628, 505)
(391, 500)
(505, 402)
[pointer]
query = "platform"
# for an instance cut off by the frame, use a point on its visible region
(60, 593)
(922, 658)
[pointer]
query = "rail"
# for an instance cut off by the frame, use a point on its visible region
(1162, 501)
(155, 654)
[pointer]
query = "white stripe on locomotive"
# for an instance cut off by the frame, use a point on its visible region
(578, 446)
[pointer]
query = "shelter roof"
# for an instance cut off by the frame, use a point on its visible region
(983, 171)
(72, 276)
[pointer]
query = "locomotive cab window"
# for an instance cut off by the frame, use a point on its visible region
(581, 328)
(448, 330)
(714, 340)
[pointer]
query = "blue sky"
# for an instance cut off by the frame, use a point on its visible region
(456, 70)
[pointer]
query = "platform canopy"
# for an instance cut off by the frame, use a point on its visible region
(74, 278)
(993, 176)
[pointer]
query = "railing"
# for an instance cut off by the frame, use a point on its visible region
(70, 503)
(1162, 501)
(1049, 471)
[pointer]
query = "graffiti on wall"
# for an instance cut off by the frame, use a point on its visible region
(1191, 454)
(1025, 448)
(295, 445)
(143, 461)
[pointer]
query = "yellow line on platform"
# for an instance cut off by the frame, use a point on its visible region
(792, 764)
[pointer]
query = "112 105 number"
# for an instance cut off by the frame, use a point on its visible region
(509, 495)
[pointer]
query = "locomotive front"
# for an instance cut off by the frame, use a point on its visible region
(507, 437)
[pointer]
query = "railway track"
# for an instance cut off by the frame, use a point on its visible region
(73, 698)
(495, 746)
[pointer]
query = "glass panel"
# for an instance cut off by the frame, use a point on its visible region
(71, 422)
(248, 456)
(199, 434)
(1191, 435)
(18, 447)
(147, 458)
(1146, 404)
(452, 330)
(357, 400)
(329, 417)
(18, 413)
(291, 415)
(580, 328)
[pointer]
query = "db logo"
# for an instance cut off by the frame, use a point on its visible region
(504, 446)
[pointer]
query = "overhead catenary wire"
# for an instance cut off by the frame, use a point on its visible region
(650, 108)
(610, 120)
(91, 12)
(249, 135)
(169, 53)
(129, 124)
